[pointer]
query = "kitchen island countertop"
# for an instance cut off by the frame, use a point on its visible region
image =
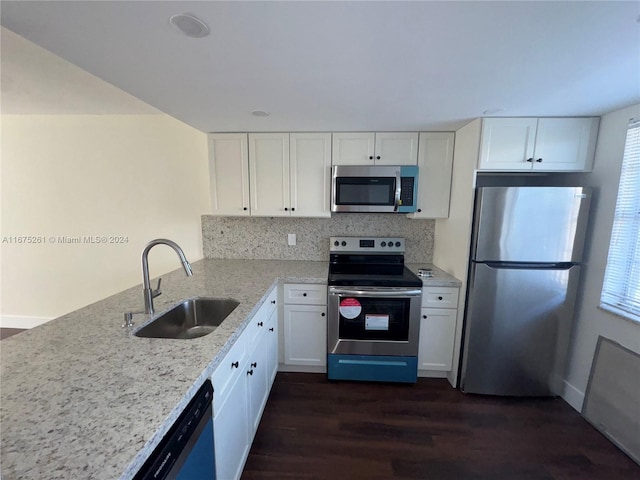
(82, 397)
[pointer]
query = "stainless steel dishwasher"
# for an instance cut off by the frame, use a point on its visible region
(186, 451)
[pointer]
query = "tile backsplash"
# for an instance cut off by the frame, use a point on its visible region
(266, 237)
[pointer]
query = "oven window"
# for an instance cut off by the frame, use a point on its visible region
(375, 319)
(365, 191)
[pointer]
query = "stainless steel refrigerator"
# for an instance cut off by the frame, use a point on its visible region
(524, 268)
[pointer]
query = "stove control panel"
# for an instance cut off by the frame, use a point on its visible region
(367, 244)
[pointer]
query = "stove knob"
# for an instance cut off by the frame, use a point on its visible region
(344, 244)
(336, 243)
(383, 244)
(391, 244)
(398, 244)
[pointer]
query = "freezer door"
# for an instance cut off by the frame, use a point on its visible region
(517, 329)
(530, 224)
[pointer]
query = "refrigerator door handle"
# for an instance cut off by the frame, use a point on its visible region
(529, 265)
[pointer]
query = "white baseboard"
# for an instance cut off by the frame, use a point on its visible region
(21, 321)
(572, 395)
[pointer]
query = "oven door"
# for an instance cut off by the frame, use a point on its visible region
(373, 321)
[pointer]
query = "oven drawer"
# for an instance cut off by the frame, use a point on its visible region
(305, 293)
(440, 297)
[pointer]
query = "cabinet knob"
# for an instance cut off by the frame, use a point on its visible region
(370, 157)
(245, 209)
(260, 324)
(529, 160)
(271, 329)
(273, 301)
(293, 209)
(304, 294)
(286, 209)
(322, 314)
(235, 364)
(424, 316)
(538, 160)
(254, 364)
(419, 210)
(249, 372)
(378, 157)
(439, 298)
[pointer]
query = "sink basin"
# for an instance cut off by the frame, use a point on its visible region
(190, 319)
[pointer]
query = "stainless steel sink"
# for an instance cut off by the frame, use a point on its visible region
(190, 319)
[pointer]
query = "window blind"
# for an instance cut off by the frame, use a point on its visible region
(621, 288)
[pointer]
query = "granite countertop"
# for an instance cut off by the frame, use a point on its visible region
(440, 278)
(82, 397)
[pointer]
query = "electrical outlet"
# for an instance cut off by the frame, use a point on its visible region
(291, 239)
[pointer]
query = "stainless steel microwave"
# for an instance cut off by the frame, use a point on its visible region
(384, 189)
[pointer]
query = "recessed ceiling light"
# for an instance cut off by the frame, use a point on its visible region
(189, 25)
(493, 111)
(260, 113)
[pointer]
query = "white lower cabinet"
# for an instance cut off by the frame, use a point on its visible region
(305, 333)
(241, 386)
(437, 334)
(305, 326)
(231, 430)
(437, 330)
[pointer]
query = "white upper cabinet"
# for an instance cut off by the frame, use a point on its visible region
(353, 148)
(269, 169)
(394, 148)
(435, 162)
(565, 144)
(290, 174)
(532, 144)
(310, 174)
(229, 173)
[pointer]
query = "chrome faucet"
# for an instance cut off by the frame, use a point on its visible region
(149, 293)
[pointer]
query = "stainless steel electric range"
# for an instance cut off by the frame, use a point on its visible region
(374, 311)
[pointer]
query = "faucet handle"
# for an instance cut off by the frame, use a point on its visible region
(157, 292)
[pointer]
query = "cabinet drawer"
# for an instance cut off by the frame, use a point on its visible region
(305, 293)
(440, 297)
(231, 365)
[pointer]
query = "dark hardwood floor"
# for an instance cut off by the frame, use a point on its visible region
(314, 429)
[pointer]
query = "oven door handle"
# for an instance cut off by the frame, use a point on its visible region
(387, 292)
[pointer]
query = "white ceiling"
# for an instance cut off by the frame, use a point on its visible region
(350, 65)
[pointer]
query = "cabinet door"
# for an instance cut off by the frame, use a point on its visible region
(229, 174)
(437, 335)
(269, 169)
(507, 144)
(396, 148)
(231, 429)
(272, 348)
(353, 148)
(565, 144)
(310, 174)
(256, 374)
(435, 162)
(305, 335)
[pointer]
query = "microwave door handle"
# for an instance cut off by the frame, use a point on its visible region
(398, 191)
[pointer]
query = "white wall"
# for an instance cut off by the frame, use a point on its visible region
(136, 176)
(453, 235)
(590, 320)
